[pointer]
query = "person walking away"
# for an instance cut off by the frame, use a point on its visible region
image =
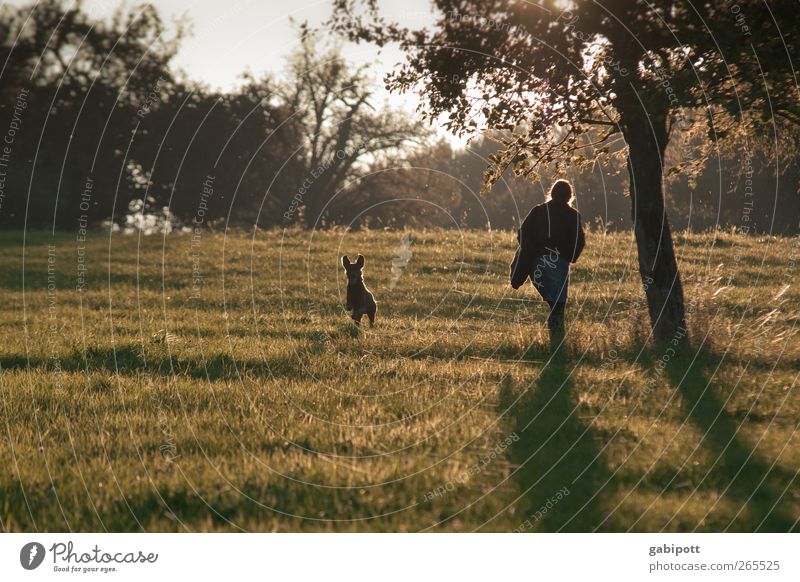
(550, 238)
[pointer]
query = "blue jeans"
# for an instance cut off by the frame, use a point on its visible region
(550, 276)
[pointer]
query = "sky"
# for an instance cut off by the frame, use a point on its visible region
(230, 37)
(233, 36)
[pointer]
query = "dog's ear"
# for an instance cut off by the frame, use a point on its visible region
(345, 262)
(360, 261)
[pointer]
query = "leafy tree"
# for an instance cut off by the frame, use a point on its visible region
(84, 82)
(417, 191)
(552, 73)
(332, 105)
(217, 156)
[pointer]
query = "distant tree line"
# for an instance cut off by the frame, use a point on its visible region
(96, 125)
(100, 126)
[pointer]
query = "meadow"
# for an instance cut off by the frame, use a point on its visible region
(213, 382)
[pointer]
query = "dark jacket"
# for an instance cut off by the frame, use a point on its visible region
(548, 227)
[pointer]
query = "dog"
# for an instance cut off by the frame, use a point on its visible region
(359, 299)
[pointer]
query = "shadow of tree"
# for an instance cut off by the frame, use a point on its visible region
(737, 471)
(561, 474)
(131, 360)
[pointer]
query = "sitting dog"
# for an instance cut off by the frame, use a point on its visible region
(359, 299)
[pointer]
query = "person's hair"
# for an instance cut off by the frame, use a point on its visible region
(561, 192)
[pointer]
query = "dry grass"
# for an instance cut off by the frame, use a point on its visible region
(131, 406)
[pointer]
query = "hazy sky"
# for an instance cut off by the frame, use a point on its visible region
(233, 36)
(236, 35)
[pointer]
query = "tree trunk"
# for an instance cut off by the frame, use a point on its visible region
(646, 136)
(314, 204)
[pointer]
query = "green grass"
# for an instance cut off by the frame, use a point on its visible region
(258, 406)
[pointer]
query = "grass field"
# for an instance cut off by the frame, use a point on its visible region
(147, 402)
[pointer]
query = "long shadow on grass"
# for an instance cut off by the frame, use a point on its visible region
(129, 360)
(561, 474)
(737, 470)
